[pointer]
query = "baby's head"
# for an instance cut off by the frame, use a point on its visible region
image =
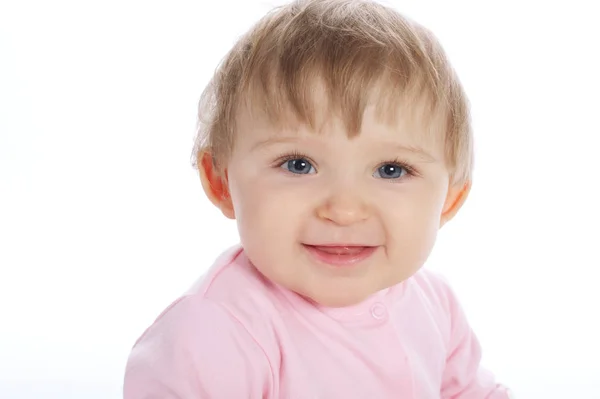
(337, 135)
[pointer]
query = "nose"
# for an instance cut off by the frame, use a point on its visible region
(343, 207)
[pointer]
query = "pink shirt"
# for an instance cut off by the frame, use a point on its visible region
(235, 335)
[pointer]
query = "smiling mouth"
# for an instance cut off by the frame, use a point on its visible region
(340, 255)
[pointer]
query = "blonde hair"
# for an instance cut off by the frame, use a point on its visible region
(350, 48)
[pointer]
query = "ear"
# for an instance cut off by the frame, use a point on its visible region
(457, 195)
(214, 184)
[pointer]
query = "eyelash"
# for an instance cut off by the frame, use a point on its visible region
(411, 171)
(290, 157)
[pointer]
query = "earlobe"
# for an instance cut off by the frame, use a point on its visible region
(457, 195)
(214, 184)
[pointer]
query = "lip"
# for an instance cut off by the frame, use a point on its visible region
(340, 255)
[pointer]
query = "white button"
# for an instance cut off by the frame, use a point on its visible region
(378, 311)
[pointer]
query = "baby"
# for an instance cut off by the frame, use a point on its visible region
(337, 135)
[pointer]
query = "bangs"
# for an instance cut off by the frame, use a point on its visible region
(310, 97)
(324, 72)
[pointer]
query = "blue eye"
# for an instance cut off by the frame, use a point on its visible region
(390, 171)
(299, 166)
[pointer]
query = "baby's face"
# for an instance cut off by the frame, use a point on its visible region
(337, 219)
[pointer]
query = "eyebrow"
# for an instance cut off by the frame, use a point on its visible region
(272, 141)
(416, 150)
(413, 149)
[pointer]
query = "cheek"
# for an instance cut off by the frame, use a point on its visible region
(413, 222)
(268, 220)
(266, 210)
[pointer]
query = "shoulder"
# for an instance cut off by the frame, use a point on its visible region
(434, 287)
(231, 296)
(431, 292)
(239, 289)
(203, 339)
(230, 278)
(188, 319)
(195, 349)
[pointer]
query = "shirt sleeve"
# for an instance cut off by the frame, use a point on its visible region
(197, 350)
(464, 378)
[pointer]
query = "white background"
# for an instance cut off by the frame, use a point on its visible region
(103, 221)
